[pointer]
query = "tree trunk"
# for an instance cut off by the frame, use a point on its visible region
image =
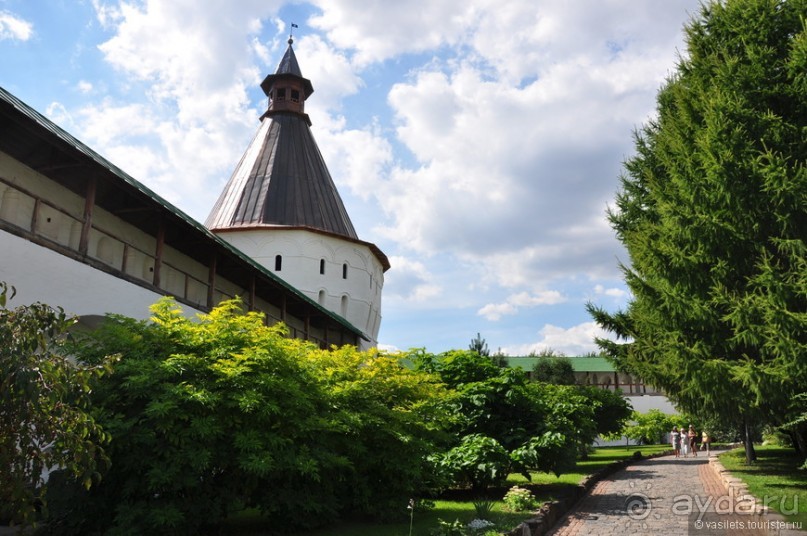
(799, 438)
(750, 453)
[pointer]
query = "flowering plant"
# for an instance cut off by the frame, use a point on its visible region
(519, 499)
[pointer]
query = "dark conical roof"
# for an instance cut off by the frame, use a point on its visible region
(282, 178)
(289, 65)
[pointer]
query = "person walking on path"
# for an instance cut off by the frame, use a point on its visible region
(684, 441)
(705, 440)
(675, 437)
(692, 440)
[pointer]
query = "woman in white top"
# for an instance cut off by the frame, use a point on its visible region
(684, 442)
(675, 438)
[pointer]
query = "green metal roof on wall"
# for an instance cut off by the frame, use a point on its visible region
(580, 364)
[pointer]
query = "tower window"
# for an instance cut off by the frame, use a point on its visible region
(344, 271)
(295, 95)
(322, 266)
(278, 262)
(280, 94)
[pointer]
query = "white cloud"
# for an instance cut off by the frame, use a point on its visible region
(328, 67)
(378, 30)
(14, 28)
(573, 341)
(358, 158)
(411, 281)
(516, 184)
(84, 86)
(612, 292)
(107, 14)
(547, 297)
(494, 311)
(59, 115)
(518, 129)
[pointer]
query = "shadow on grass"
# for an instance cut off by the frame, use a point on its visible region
(458, 503)
(775, 476)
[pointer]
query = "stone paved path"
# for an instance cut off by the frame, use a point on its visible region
(668, 496)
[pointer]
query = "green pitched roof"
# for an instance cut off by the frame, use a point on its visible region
(580, 364)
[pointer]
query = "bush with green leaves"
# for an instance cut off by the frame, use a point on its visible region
(554, 369)
(387, 420)
(44, 417)
(650, 428)
(542, 427)
(211, 416)
(477, 527)
(518, 499)
(478, 461)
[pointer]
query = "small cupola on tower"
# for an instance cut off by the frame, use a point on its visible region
(287, 89)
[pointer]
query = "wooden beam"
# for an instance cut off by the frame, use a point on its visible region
(283, 308)
(211, 280)
(35, 215)
(158, 253)
(89, 203)
(126, 254)
(252, 293)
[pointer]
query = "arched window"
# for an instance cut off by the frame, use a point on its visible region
(344, 271)
(343, 306)
(322, 266)
(321, 297)
(278, 262)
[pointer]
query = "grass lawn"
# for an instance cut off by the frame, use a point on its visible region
(458, 506)
(774, 478)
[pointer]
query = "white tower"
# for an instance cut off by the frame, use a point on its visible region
(282, 209)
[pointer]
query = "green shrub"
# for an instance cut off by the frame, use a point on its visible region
(213, 416)
(478, 461)
(45, 420)
(519, 500)
(477, 527)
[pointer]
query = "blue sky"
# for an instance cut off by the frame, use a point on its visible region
(477, 144)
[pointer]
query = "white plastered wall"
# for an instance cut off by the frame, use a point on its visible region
(358, 295)
(42, 275)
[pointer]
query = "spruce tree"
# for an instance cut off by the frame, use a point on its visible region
(713, 213)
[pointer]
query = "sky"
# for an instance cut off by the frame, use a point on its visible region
(478, 144)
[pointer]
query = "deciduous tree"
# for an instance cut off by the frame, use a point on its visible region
(44, 418)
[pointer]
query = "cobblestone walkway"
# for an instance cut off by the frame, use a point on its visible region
(669, 496)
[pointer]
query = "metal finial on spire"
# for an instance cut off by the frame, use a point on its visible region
(291, 31)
